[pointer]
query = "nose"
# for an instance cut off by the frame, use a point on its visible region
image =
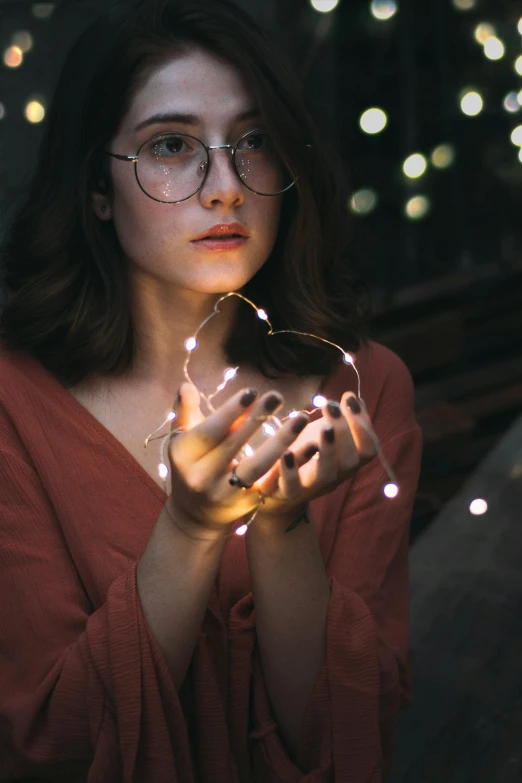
(222, 184)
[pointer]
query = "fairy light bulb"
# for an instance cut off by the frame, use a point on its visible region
(319, 401)
(293, 414)
(171, 416)
(262, 315)
(391, 490)
(478, 507)
(163, 470)
(348, 359)
(248, 451)
(230, 374)
(191, 344)
(241, 530)
(269, 429)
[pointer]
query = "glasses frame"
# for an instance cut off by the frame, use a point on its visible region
(232, 147)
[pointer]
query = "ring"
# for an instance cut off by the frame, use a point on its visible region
(235, 481)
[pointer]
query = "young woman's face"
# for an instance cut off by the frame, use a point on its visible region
(158, 238)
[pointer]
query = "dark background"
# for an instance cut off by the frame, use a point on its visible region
(448, 286)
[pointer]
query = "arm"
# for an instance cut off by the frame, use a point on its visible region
(288, 572)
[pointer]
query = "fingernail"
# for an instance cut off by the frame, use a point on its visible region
(299, 424)
(248, 398)
(272, 402)
(329, 435)
(289, 459)
(310, 452)
(334, 409)
(353, 404)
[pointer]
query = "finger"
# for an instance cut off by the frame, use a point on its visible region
(210, 432)
(344, 448)
(187, 408)
(250, 469)
(289, 480)
(360, 425)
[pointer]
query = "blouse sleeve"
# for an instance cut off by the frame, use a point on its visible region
(350, 725)
(83, 695)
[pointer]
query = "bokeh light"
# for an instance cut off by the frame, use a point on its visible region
(13, 57)
(383, 9)
(520, 155)
(464, 5)
(415, 166)
(483, 32)
(417, 207)
(391, 490)
(324, 6)
(511, 102)
(519, 26)
(43, 10)
(2, 111)
(373, 121)
(494, 49)
(443, 156)
(23, 39)
(516, 136)
(34, 112)
(478, 507)
(472, 103)
(518, 65)
(363, 201)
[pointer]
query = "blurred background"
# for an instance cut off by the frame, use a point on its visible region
(424, 100)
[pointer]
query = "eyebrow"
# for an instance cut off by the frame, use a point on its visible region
(191, 119)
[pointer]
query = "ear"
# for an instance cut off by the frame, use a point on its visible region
(101, 206)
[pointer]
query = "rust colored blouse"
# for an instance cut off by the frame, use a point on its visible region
(85, 693)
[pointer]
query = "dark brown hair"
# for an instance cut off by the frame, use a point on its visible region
(66, 286)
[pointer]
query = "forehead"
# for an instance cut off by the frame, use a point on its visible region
(196, 83)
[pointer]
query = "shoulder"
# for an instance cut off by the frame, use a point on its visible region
(386, 386)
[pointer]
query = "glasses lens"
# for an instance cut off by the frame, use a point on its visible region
(260, 167)
(171, 167)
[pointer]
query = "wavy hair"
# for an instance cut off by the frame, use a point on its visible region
(65, 282)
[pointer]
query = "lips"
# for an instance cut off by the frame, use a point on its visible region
(223, 231)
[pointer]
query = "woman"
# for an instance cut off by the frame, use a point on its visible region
(142, 640)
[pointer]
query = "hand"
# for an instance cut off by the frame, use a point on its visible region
(203, 455)
(344, 445)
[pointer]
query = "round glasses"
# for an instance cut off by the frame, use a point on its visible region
(173, 167)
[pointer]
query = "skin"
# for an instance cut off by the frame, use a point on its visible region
(174, 286)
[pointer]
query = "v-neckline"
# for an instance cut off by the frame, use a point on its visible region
(96, 426)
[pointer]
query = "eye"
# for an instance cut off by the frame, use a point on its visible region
(172, 145)
(254, 141)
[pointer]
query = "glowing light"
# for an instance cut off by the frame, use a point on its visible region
(494, 49)
(519, 26)
(163, 470)
(391, 490)
(248, 451)
(383, 9)
(319, 401)
(516, 136)
(262, 315)
(34, 112)
(43, 10)
(13, 57)
(472, 104)
(348, 359)
(241, 531)
(293, 414)
(171, 416)
(324, 6)
(191, 344)
(2, 111)
(443, 156)
(363, 202)
(518, 65)
(415, 166)
(520, 155)
(478, 507)
(230, 374)
(483, 32)
(464, 5)
(269, 429)
(373, 121)
(23, 39)
(511, 102)
(418, 207)
(519, 97)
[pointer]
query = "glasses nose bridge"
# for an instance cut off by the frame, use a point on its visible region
(230, 147)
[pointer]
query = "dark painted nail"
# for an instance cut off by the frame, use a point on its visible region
(248, 398)
(289, 459)
(310, 452)
(353, 404)
(272, 402)
(334, 409)
(329, 435)
(299, 424)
